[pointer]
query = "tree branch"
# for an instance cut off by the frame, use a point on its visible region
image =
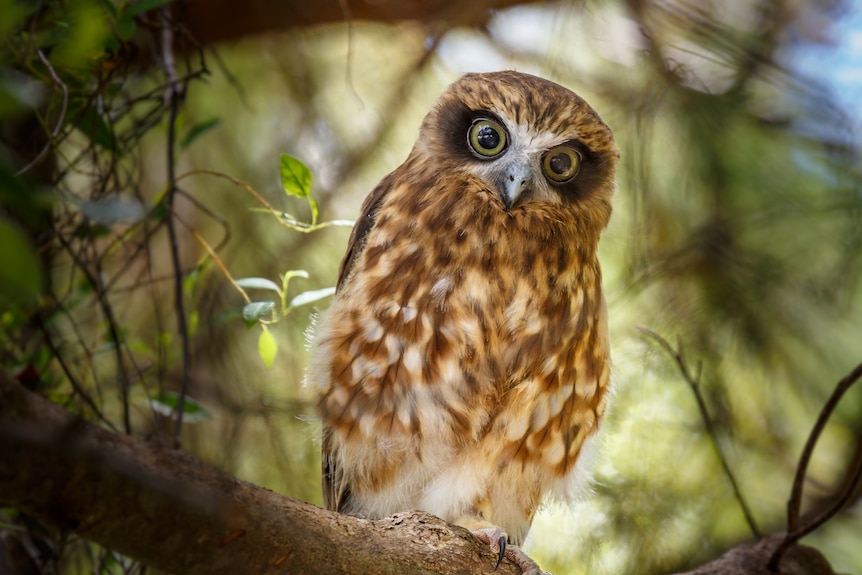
(754, 560)
(178, 514)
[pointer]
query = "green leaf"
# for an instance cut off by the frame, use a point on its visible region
(252, 312)
(82, 35)
(166, 404)
(125, 27)
(295, 177)
(312, 296)
(267, 347)
(258, 283)
(20, 273)
(145, 6)
(198, 130)
(288, 275)
(314, 211)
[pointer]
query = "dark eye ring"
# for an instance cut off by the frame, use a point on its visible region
(486, 138)
(561, 164)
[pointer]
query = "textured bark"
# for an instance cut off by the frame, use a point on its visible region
(176, 513)
(753, 560)
(180, 515)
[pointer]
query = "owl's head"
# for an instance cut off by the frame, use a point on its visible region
(529, 141)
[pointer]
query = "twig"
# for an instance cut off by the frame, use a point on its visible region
(225, 224)
(113, 328)
(214, 257)
(173, 94)
(794, 531)
(60, 120)
(693, 383)
(76, 386)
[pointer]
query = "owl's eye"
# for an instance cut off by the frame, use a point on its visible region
(561, 163)
(487, 138)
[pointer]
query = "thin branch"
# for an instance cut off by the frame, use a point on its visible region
(94, 279)
(794, 504)
(209, 249)
(174, 94)
(694, 384)
(76, 386)
(221, 220)
(60, 120)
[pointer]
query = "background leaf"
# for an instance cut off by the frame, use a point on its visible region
(311, 296)
(20, 274)
(258, 283)
(252, 312)
(295, 177)
(267, 347)
(198, 130)
(166, 403)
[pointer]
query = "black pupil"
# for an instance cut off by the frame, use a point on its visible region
(560, 164)
(488, 138)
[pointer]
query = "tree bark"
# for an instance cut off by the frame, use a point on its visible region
(178, 514)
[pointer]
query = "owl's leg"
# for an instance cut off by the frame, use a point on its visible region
(496, 538)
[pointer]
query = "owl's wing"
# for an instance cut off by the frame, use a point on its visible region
(364, 224)
(336, 492)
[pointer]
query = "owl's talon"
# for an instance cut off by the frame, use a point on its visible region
(502, 543)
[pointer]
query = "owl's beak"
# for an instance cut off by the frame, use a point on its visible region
(516, 178)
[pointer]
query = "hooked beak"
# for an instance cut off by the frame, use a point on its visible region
(516, 178)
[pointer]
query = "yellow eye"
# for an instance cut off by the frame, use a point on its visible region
(561, 163)
(487, 138)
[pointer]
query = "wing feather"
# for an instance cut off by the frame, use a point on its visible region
(364, 224)
(336, 490)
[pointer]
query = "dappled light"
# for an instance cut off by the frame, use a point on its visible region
(173, 212)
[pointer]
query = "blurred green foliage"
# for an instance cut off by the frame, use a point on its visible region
(735, 235)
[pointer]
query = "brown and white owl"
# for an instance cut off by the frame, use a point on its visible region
(465, 362)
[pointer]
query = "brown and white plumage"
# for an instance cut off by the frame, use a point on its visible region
(465, 359)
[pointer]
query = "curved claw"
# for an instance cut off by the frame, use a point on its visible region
(502, 543)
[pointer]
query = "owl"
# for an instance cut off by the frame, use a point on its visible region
(464, 363)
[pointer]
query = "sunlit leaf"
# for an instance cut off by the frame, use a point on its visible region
(314, 211)
(258, 283)
(166, 404)
(267, 347)
(198, 130)
(311, 296)
(295, 177)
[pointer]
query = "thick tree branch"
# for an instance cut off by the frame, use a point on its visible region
(175, 513)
